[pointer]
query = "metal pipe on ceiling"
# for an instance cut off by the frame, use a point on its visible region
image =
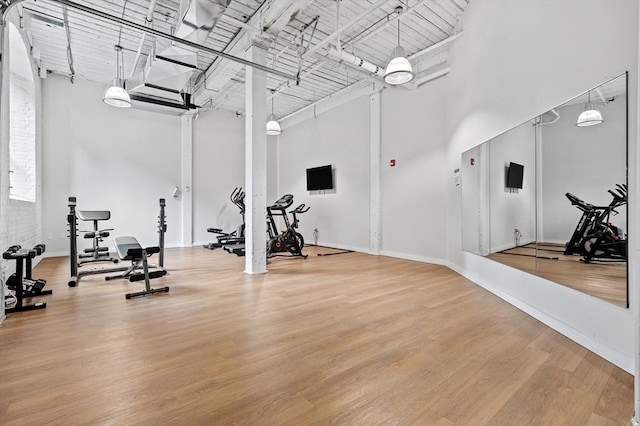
(148, 20)
(157, 33)
(356, 62)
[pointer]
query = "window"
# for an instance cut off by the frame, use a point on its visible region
(22, 121)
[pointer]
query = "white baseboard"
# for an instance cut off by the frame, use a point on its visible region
(510, 245)
(342, 247)
(414, 257)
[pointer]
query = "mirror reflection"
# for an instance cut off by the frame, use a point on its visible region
(549, 196)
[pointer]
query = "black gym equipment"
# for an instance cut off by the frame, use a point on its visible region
(21, 282)
(96, 253)
(162, 229)
(595, 237)
(128, 248)
(289, 240)
(72, 221)
(233, 240)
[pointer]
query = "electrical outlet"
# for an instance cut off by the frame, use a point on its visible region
(49, 236)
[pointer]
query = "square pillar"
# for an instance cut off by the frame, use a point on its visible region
(255, 152)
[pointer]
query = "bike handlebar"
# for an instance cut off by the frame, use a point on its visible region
(300, 209)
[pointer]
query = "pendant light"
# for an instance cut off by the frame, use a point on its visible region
(399, 69)
(590, 116)
(116, 95)
(273, 127)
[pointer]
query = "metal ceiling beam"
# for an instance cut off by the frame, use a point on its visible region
(390, 20)
(170, 37)
(269, 15)
(345, 27)
(69, 53)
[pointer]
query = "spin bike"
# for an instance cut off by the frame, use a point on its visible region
(289, 240)
(595, 237)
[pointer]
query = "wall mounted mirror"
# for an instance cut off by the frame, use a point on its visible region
(549, 197)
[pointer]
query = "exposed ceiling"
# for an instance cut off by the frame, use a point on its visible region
(315, 47)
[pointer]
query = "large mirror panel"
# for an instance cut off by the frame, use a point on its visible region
(549, 196)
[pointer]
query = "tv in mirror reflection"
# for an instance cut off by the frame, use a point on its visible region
(515, 175)
(319, 178)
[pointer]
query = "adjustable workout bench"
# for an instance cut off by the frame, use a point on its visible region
(128, 248)
(96, 253)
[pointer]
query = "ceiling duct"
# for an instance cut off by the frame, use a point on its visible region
(169, 68)
(549, 117)
(154, 104)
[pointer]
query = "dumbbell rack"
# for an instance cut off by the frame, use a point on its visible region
(23, 257)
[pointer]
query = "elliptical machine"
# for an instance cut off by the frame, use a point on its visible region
(236, 237)
(595, 237)
(289, 240)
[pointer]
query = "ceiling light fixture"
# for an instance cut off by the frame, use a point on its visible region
(399, 69)
(590, 116)
(116, 95)
(273, 127)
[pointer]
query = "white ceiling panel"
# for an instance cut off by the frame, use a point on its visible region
(298, 35)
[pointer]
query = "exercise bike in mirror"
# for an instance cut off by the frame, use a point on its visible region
(549, 197)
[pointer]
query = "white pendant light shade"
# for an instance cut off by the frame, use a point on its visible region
(399, 69)
(273, 127)
(116, 95)
(589, 117)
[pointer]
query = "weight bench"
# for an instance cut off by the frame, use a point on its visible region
(128, 248)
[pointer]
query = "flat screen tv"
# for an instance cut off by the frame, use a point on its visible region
(515, 175)
(319, 178)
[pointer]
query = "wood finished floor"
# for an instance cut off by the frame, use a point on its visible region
(607, 281)
(350, 339)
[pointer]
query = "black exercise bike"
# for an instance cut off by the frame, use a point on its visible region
(289, 241)
(595, 237)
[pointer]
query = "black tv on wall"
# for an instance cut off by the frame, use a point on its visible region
(319, 178)
(515, 175)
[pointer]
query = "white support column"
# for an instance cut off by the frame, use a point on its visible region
(255, 166)
(187, 179)
(632, 280)
(375, 224)
(4, 141)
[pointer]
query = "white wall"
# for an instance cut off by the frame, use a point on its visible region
(339, 137)
(413, 192)
(473, 189)
(20, 221)
(497, 82)
(122, 160)
(218, 168)
(512, 208)
(595, 157)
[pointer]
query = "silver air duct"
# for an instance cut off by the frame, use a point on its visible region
(168, 71)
